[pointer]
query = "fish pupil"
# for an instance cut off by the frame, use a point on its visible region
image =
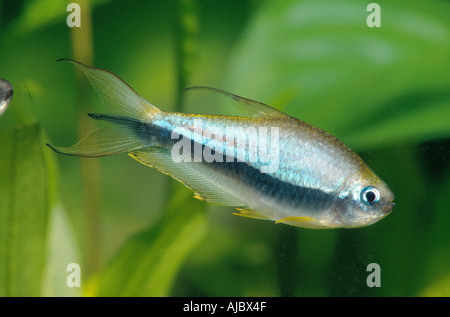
(370, 197)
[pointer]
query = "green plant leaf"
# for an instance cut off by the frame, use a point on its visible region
(439, 288)
(62, 250)
(148, 262)
(26, 195)
(371, 87)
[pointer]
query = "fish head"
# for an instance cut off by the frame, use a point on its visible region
(364, 200)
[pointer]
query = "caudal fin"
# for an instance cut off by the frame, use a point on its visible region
(125, 110)
(108, 140)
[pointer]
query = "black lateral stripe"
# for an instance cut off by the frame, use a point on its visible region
(267, 184)
(123, 120)
(147, 131)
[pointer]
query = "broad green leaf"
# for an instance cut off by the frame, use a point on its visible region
(437, 271)
(439, 288)
(320, 62)
(148, 262)
(26, 195)
(62, 251)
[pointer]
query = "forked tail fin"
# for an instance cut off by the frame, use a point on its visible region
(124, 108)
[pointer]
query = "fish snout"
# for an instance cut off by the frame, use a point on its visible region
(388, 209)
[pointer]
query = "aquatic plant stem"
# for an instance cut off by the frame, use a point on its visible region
(153, 257)
(185, 51)
(185, 46)
(82, 50)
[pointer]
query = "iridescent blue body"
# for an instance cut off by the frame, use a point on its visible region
(273, 166)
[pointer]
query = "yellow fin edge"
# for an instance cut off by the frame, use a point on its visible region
(250, 213)
(297, 220)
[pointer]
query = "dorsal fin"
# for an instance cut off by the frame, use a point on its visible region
(254, 109)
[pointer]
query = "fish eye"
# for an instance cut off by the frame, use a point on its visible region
(370, 195)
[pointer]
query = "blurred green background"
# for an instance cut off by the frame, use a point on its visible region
(135, 232)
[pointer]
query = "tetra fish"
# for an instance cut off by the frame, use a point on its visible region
(297, 174)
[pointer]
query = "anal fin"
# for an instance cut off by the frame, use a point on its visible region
(206, 184)
(302, 221)
(251, 213)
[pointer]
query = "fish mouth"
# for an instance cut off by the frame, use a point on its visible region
(388, 209)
